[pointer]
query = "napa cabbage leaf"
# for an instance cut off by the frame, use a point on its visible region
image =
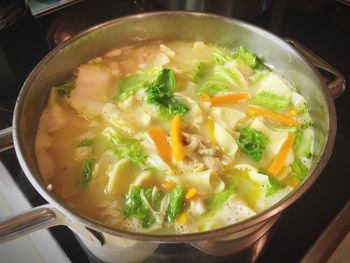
(175, 204)
(161, 94)
(271, 101)
(252, 142)
(87, 168)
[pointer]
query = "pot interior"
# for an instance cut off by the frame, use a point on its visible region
(58, 65)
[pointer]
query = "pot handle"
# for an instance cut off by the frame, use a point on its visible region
(21, 224)
(6, 141)
(337, 84)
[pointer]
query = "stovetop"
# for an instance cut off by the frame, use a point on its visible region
(322, 26)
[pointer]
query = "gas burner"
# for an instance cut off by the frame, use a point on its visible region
(67, 24)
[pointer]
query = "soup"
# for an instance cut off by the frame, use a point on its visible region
(174, 137)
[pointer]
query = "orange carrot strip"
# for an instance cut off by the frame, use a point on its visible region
(176, 138)
(205, 97)
(168, 185)
(229, 98)
(158, 137)
(277, 163)
(291, 181)
(191, 193)
(181, 219)
(254, 110)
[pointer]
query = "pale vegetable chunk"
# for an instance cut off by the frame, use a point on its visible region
(275, 84)
(91, 90)
(226, 117)
(118, 183)
(205, 182)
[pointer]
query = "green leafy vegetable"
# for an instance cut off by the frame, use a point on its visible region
(299, 134)
(222, 79)
(305, 120)
(242, 55)
(136, 208)
(197, 72)
(246, 57)
(271, 101)
(130, 149)
(175, 204)
(303, 146)
(302, 108)
(252, 143)
(161, 94)
(258, 75)
(299, 171)
(65, 88)
(213, 86)
(221, 55)
(219, 198)
(87, 168)
(225, 74)
(129, 85)
(260, 65)
(86, 142)
(274, 186)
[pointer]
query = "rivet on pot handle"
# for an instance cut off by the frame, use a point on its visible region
(337, 85)
(21, 224)
(6, 141)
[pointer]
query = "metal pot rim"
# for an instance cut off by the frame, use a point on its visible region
(213, 234)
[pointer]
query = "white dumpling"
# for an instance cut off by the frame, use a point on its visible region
(275, 84)
(136, 114)
(195, 115)
(207, 181)
(118, 183)
(225, 141)
(226, 117)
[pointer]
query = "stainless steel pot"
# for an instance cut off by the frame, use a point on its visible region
(107, 243)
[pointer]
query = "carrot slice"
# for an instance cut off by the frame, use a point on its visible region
(176, 138)
(205, 97)
(291, 181)
(229, 98)
(277, 163)
(181, 219)
(168, 185)
(191, 193)
(158, 137)
(254, 110)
